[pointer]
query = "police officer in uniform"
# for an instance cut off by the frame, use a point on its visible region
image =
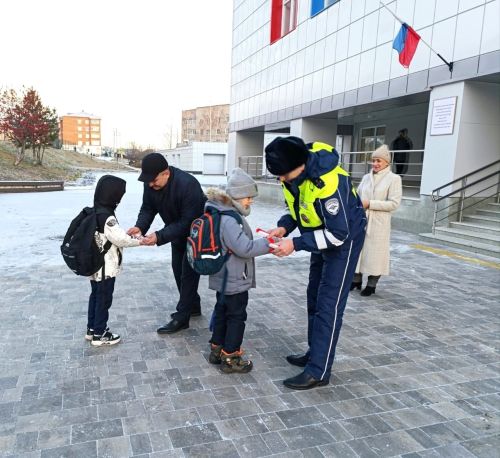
(325, 207)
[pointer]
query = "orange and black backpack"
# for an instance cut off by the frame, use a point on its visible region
(204, 247)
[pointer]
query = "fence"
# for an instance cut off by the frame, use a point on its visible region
(31, 186)
(357, 163)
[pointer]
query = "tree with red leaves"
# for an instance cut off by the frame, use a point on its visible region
(27, 123)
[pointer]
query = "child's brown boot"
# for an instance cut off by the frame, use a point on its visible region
(214, 357)
(234, 362)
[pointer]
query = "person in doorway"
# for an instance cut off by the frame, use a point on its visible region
(178, 198)
(380, 193)
(235, 279)
(401, 143)
(323, 204)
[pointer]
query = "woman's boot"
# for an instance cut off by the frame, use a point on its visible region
(368, 291)
(234, 363)
(356, 281)
(371, 285)
(214, 357)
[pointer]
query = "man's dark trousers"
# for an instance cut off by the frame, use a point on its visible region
(187, 283)
(401, 162)
(330, 277)
(100, 301)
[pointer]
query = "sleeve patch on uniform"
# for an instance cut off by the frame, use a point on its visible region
(332, 206)
(111, 222)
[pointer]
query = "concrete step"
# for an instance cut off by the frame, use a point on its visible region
(474, 247)
(468, 235)
(477, 227)
(482, 220)
(494, 205)
(487, 212)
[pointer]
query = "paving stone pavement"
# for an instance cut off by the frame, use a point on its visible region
(416, 373)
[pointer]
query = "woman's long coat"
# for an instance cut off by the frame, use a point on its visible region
(384, 191)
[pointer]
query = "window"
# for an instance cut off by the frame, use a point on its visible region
(283, 18)
(289, 16)
(319, 5)
(79, 121)
(371, 138)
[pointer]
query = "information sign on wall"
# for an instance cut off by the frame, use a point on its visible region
(443, 116)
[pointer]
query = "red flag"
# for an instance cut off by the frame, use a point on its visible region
(410, 43)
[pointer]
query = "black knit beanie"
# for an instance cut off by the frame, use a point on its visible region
(285, 154)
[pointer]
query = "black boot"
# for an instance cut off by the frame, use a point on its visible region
(368, 291)
(355, 285)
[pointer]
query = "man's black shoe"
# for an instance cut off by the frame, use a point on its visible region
(172, 326)
(298, 360)
(303, 381)
(193, 313)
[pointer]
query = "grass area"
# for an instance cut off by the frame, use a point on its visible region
(57, 165)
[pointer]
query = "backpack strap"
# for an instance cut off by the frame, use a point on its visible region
(237, 217)
(108, 244)
(234, 214)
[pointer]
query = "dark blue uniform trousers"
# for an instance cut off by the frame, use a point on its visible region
(330, 277)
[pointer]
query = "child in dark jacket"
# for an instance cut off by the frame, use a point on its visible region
(108, 194)
(230, 310)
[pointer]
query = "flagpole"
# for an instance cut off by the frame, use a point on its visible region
(449, 64)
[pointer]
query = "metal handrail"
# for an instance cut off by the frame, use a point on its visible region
(462, 208)
(461, 194)
(456, 180)
(463, 188)
(350, 160)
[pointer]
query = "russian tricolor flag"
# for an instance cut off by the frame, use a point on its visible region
(405, 44)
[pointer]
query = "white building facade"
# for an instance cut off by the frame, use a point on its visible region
(207, 158)
(325, 70)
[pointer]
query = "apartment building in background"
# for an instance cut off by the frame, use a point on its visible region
(81, 132)
(205, 124)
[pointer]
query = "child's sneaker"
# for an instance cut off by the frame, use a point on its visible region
(234, 362)
(108, 338)
(90, 334)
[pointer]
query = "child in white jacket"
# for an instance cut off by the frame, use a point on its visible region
(108, 193)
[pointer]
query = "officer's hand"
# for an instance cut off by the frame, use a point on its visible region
(366, 204)
(277, 232)
(150, 239)
(285, 248)
(134, 231)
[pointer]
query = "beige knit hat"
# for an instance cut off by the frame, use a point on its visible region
(241, 185)
(382, 152)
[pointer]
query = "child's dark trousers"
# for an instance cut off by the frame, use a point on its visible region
(100, 301)
(229, 321)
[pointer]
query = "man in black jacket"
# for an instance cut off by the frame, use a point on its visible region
(178, 198)
(404, 143)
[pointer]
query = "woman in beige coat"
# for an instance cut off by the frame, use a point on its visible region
(380, 192)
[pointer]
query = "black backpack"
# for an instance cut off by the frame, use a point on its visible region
(79, 248)
(204, 247)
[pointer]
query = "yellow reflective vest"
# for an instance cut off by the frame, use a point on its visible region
(309, 192)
